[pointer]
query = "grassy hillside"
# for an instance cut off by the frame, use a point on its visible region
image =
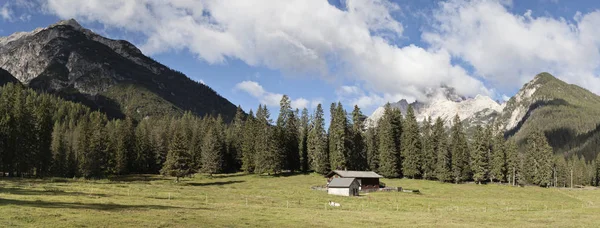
(239, 200)
(563, 111)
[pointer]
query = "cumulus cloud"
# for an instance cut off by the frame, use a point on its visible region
(311, 37)
(269, 98)
(509, 49)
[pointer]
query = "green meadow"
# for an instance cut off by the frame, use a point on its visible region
(239, 200)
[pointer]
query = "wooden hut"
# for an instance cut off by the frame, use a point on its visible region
(343, 187)
(366, 179)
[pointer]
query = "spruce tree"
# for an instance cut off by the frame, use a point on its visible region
(512, 161)
(286, 133)
(213, 152)
(597, 171)
(498, 160)
(460, 152)
(538, 160)
(480, 149)
(338, 139)
(411, 146)
(59, 151)
(428, 150)
(143, 148)
(443, 168)
(268, 150)
(372, 148)
(178, 161)
(248, 146)
(389, 151)
(317, 143)
(358, 152)
(43, 128)
(303, 141)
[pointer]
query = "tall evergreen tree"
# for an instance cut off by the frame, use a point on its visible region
(177, 163)
(233, 156)
(248, 146)
(460, 152)
(389, 150)
(479, 152)
(428, 150)
(213, 151)
(59, 151)
(286, 133)
(125, 147)
(339, 139)
(512, 161)
(268, 149)
(303, 141)
(443, 167)
(358, 152)
(372, 148)
(317, 143)
(43, 128)
(538, 158)
(411, 146)
(143, 148)
(498, 160)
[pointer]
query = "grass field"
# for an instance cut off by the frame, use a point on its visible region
(239, 200)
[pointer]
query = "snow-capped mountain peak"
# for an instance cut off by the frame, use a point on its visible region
(446, 103)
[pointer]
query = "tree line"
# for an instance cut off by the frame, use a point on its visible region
(42, 135)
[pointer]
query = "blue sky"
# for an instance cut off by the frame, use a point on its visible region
(364, 52)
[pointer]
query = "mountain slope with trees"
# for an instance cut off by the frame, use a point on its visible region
(112, 76)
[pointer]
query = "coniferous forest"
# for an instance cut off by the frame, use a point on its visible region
(44, 136)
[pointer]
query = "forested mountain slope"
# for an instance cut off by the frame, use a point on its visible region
(110, 75)
(568, 114)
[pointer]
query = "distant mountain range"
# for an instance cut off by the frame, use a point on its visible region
(568, 114)
(113, 76)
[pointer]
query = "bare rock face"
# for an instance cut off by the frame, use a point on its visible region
(68, 57)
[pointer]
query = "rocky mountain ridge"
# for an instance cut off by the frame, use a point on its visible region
(110, 75)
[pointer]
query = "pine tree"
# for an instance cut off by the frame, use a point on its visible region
(233, 156)
(248, 152)
(443, 168)
(213, 152)
(428, 150)
(339, 139)
(411, 146)
(303, 141)
(358, 152)
(125, 147)
(196, 142)
(512, 161)
(597, 171)
(143, 148)
(538, 160)
(480, 149)
(267, 147)
(178, 159)
(372, 148)
(91, 161)
(498, 160)
(59, 151)
(460, 152)
(317, 143)
(389, 151)
(43, 128)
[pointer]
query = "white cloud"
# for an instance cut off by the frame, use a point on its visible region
(300, 36)
(269, 98)
(6, 13)
(509, 49)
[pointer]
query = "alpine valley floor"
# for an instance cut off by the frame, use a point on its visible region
(238, 200)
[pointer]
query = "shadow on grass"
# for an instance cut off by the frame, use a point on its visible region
(217, 183)
(138, 177)
(90, 206)
(47, 192)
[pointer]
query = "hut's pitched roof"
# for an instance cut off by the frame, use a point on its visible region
(354, 174)
(341, 182)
